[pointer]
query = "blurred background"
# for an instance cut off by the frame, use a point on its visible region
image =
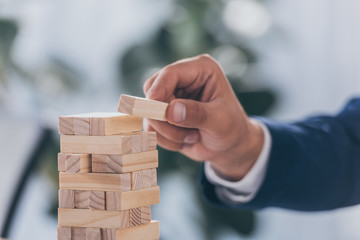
(286, 59)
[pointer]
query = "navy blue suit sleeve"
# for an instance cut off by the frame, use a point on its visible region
(314, 164)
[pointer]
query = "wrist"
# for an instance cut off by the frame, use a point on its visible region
(237, 161)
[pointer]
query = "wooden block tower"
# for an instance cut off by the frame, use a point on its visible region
(108, 178)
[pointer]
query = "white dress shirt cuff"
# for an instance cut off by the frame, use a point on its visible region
(244, 190)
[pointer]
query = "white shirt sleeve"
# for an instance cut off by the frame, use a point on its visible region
(244, 190)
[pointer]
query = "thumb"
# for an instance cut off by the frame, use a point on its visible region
(188, 113)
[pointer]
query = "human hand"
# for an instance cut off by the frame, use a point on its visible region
(206, 122)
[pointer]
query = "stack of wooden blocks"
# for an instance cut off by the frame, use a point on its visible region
(107, 178)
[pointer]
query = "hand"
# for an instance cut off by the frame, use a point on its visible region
(205, 120)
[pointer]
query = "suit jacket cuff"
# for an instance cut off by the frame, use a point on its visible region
(242, 191)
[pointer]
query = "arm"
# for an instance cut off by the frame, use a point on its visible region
(313, 165)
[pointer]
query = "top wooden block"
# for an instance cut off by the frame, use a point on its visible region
(143, 107)
(99, 124)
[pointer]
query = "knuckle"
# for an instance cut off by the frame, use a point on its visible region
(208, 62)
(169, 72)
(198, 114)
(205, 56)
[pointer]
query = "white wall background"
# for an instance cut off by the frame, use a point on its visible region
(312, 55)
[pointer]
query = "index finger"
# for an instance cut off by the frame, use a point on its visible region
(189, 74)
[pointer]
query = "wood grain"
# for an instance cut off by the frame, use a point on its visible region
(117, 144)
(93, 233)
(116, 200)
(142, 107)
(95, 181)
(81, 125)
(149, 141)
(114, 123)
(66, 125)
(75, 163)
(78, 233)
(82, 199)
(61, 162)
(72, 163)
(140, 215)
(66, 198)
(139, 158)
(136, 143)
(113, 201)
(149, 231)
(143, 179)
(63, 233)
(145, 214)
(97, 200)
(99, 124)
(124, 163)
(108, 233)
(93, 218)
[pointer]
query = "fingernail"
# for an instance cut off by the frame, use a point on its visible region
(179, 112)
(191, 138)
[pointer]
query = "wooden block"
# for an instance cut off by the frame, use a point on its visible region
(136, 143)
(72, 163)
(149, 231)
(102, 163)
(140, 198)
(108, 234)
(97, 127)
(148, 141)
(61, 162)
(117, 144)
(95, 181)
(145, 214)
(139, 158)
(116, 200)
(93, 233)
(135, 217)
(93, 218)
(127, 144)
(113, 201)
(97, 200)
(105, 124)
(75, 163)
(99, 124)
(85, 163)
(78, 233)
(66, 125)
(140, 215)
(66, 198)
(81, 126)
(124, 163)
(63, 233)
(142, 107)
(82, 199)
(143, 179)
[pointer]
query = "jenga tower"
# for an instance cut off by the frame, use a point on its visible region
(108, 179)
